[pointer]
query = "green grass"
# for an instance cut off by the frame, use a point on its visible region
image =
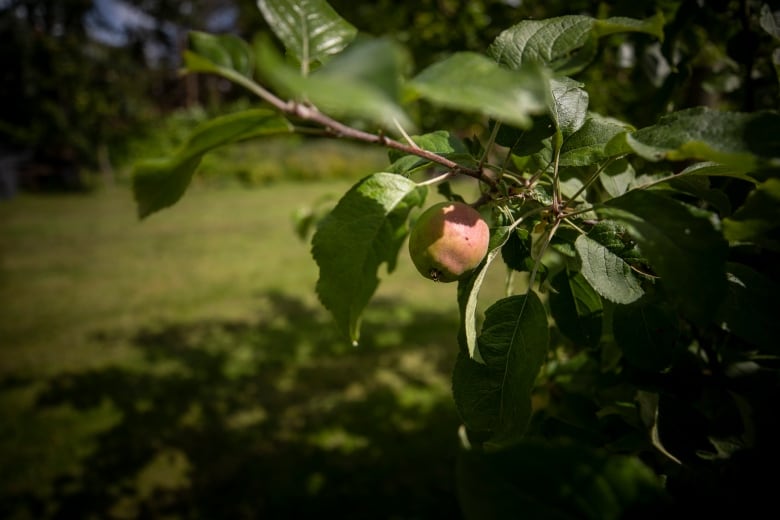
(182, 367)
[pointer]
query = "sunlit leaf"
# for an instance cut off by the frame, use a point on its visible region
(617, 177)
(468, 292)
(744, 142)
(495, 397)
(568, 105)
(310, 30)
(609, 274)
(472, 82)
(587, 145)
(215, 53)
(352, 90)
(566, 44)
(441, 142)
(364, 231)
(160, 183)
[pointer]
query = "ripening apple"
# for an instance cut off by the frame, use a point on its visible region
(448, 241)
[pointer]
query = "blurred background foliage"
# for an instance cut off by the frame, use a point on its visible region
(86, 84)
(184, 367)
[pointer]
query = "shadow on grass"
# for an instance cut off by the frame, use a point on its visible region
(274, 419)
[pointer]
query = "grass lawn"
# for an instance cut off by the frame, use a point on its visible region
(182, 367)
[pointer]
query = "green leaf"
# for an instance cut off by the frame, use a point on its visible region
(759, 215)
(588, 144)
(713, 169)
(440, 142)
(770, 21)
(750, 308)
(365, 229)
(647, 335)
(472, 82)
(160, 183)
(540, 479)
(496, 397)
(617, 177)
(568, 105)
(349, 86)
(609, 274)
(680, 243)
(565, 43)
(468, 292)
(577, 308)
(217, 53)
(745, 142)
(310, 30)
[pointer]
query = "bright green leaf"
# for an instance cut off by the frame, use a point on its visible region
(472, 82)
(712, 169)
(568, 105)
(647, 335)
(310, 30)
(680, 243)
(577, 308)
(160, 183)
(565, 43)
(212, 53)
(744, 142)
(587, 145)
(468, 292)
(348, 91)
(609, 274)
(365, 229)
(759, 215)
(440, 142)
(617, 177)
(495, 397)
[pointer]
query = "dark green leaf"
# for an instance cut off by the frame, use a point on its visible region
(566, 43)
(759, 214)
(496, 397)
(745, 142)
(161, 183)
(472, 82)
(310, 30)
(647, 335)
(680, 243)
(210, 53)
(364, 230)
(516, 252)
(350, 90)
(525, 142)
(750, 308)
(539, 479)
(609, 274)
(577, 308)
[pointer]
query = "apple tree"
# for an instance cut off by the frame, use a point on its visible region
(638, 372)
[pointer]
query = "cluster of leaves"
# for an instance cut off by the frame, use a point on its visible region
(645, 345)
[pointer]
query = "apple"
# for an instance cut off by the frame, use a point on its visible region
(448, 241)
